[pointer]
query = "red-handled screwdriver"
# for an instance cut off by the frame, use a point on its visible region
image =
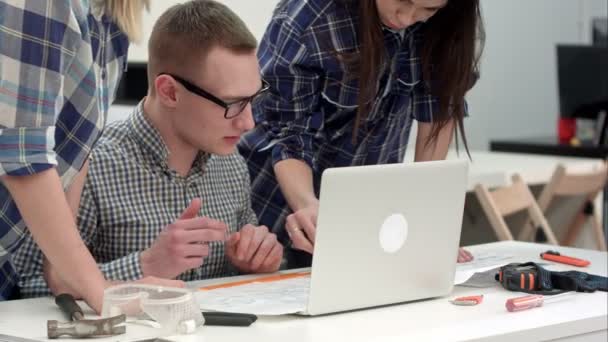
(530, 301)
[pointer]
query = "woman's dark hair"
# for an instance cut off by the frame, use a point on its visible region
(453, 41)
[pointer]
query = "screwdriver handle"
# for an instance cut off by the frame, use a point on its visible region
(524, 303)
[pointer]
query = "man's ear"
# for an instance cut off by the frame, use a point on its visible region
(166, 90)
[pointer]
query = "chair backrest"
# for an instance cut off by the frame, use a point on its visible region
(563, 183)
(508, 200)
(587, 184)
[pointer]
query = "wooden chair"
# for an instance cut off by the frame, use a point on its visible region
(588, 185)
(508, 200)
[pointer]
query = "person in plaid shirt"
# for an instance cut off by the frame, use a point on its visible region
(347, 78)
(60, 64)
(166, 187)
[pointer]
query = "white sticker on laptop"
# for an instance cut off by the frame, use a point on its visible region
(393, 233)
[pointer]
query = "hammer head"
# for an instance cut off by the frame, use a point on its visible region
(87, 327)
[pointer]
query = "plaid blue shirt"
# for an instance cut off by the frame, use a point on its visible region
(60, 64)
(310, 110)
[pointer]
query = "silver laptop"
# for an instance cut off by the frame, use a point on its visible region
(386, 234)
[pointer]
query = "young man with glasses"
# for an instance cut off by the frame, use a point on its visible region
(167, 195)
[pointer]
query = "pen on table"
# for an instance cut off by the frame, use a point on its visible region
(263, 279)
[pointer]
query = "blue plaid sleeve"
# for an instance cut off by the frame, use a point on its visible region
(290, 107)
(36, 62)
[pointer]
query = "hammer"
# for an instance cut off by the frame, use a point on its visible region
(80, 327)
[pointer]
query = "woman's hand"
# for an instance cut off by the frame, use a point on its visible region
(301, 227)
(464, 255)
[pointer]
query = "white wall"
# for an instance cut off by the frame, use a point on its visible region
(255, 13)
(517, 94)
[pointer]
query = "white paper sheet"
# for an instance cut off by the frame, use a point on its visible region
(290, 296)
(280, 297)
(480, 263)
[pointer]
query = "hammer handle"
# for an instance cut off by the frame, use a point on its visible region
(68, 305)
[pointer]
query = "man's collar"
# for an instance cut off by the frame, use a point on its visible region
(148, 137)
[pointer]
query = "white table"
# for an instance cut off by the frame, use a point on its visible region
(580, 317)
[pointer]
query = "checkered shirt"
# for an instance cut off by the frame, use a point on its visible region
(60, 64)
(131, 194)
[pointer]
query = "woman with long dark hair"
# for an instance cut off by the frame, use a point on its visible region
(347, 78)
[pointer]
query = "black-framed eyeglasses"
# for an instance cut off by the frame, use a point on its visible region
(233, 109)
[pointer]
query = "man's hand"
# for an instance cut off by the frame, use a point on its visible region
(182, 245)
(464, 255)
(301, 227)
(254, 250)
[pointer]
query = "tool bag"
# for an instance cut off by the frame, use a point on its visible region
(531, 278)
